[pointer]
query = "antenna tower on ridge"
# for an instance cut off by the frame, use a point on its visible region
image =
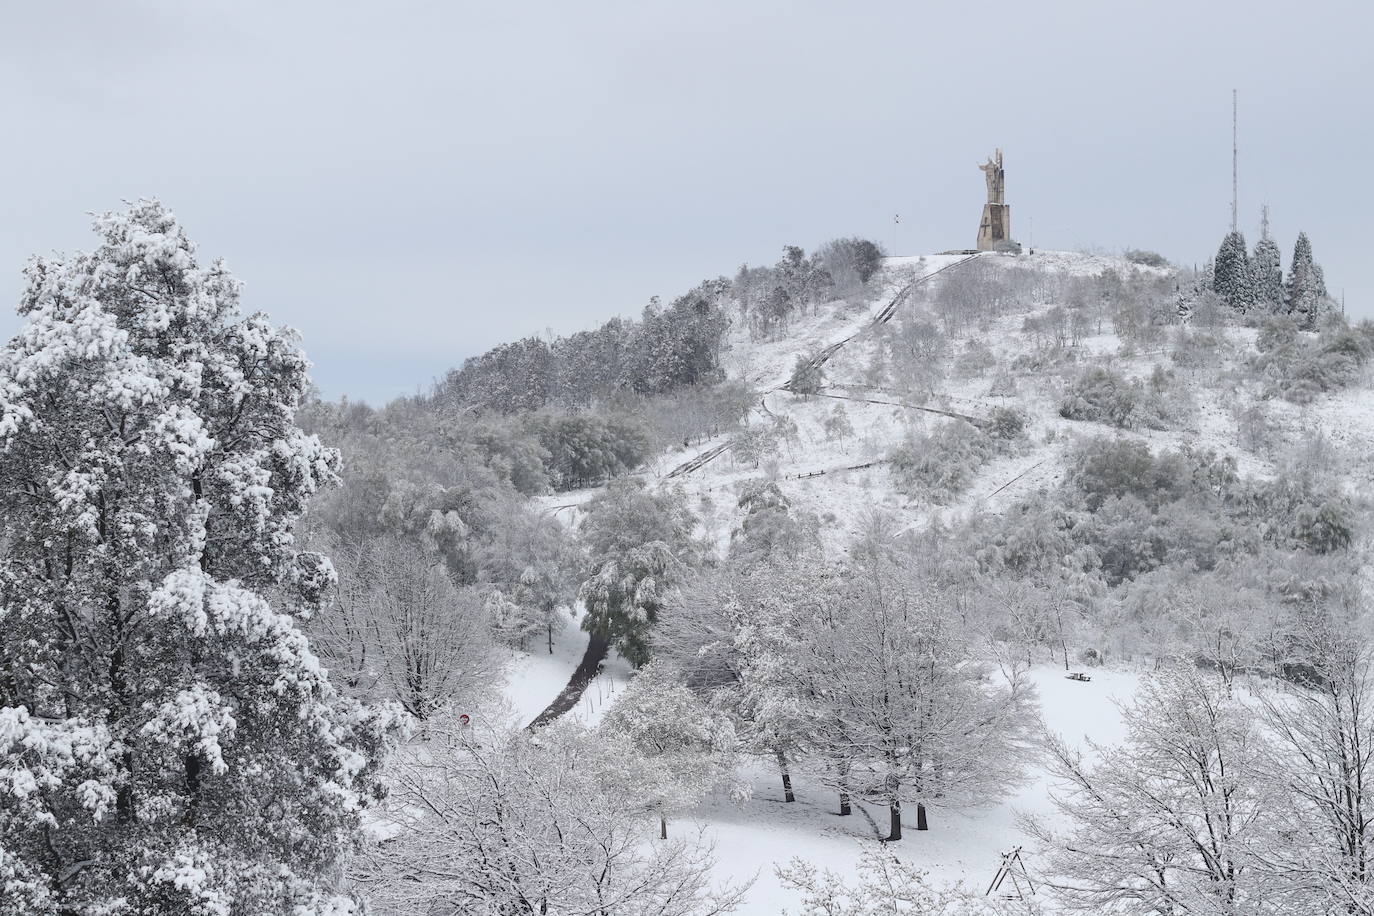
(1234, 183)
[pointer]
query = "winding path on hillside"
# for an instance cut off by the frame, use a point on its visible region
(822, 357)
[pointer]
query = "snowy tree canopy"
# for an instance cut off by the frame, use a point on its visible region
(1231, 279)
(1265, 270)
(1306, 288)
(168, 741)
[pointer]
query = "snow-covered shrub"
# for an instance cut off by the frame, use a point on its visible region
(1102, 396)
(1298, 367)
(887, 886)
(587, 448)
(1146, 258)
(1197, 350)
(1006, 423)
(1104, 467)
(1298, 510)
(975, 359)
(940, 465)
(806, 377)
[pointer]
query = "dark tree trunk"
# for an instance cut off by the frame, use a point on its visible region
(843, 767)
(921, 816)
(587, 670)
(662, 826)
(192, 767)
(550, 637)
(786, 777)
(894, 813)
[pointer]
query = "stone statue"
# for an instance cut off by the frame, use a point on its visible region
(996, 178)
(995, 228)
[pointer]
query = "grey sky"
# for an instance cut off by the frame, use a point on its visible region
(410, 183)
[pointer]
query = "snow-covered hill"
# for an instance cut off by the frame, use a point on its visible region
(840, 478)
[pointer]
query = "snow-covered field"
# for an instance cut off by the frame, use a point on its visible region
(959, 847)
(752, 837)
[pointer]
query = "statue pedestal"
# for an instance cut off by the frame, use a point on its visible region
(995, 227)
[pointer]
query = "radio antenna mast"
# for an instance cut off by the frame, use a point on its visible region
(1234, 183)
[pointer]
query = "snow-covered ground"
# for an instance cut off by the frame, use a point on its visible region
(959, 847)
(753, 837)
(535, 677)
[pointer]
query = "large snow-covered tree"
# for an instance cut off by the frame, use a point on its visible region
(494, 822)
(168, 741)
(1265, 270)
(1319, 758)
(687, 747)
(1305, 289)
(1231, 278)
(905, 707)
(400, 630)
(1169, 820)
(640, 545)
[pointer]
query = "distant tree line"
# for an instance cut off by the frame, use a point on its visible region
(670, 348)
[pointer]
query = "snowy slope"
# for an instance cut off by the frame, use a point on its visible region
(814, 473)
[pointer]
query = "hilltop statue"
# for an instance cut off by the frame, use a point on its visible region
(996, 178)
(996, 225)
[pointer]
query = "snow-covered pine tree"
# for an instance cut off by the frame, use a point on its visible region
(1306, 288)
(1231, 278)
(1184, 299)
(640, 545)
(168, 741)
(1265, 270)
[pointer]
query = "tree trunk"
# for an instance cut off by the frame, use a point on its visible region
(597, 647)
(843, 767)
(550, 637)
(894, 812)
(662, 826)
(921, 816)
(786, 777)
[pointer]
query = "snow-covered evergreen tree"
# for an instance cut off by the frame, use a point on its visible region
(1306, 288)
(640, 545)
(168, 741)
(1231, 278)
(1265, 270)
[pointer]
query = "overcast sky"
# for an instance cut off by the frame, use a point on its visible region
(411, 183)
